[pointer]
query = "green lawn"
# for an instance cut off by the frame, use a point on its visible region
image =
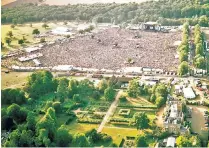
(14, 79)
(20, 31)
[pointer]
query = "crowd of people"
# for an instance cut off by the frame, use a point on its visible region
(115, 48)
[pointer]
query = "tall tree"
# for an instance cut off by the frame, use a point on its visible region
(62, 89)
(141, 120)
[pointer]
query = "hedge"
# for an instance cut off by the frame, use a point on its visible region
(136, 106)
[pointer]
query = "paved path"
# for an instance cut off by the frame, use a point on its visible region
(110, 112)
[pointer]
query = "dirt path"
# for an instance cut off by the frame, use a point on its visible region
(159, 120)
(110, 112)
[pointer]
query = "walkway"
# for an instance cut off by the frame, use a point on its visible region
(110, 112)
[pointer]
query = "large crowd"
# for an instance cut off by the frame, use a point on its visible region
(111, 49)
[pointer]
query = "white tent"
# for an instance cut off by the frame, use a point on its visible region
(189, 93)
(171, 142)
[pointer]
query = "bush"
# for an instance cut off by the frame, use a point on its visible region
(123, 98)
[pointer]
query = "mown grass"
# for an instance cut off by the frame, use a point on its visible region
(19, 31)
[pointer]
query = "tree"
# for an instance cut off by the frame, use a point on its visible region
(12, 26)
(109, 93)
(159, 101)
(45, 25)
(133, 88)
(102, 85)
(21, 41)
(96, 95)
(183, 56)
(80, 140)
(42, 40)
(17, 113)
(141, 141)
(9, 33)
(2, 45)
(204, 21)
(141, 120)
(63, 137)
(199, 49)
(9, 96)
(93, 136)
(6, 123)
(31, 122)
(8, 40)
(187, 141)
(46, 129)
(62, 89)
(77, 98)
(40, 83)
(200, 62)
(183, 68)
(36, 31)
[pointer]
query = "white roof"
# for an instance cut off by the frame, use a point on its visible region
(30, 57)
(173, 113)
(30, 49)
(63, 67)
(171, 142)
(62, 31)
(189, 93)
(37, 62)
(132, 69)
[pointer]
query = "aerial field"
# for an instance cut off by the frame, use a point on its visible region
(22, 30)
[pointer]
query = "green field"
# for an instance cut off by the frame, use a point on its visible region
(22, 30)
(13, 79)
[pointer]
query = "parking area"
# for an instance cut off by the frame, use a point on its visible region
(198, 119)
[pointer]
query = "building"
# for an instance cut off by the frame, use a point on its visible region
(174, 117)
(188, 93)
(151, 26)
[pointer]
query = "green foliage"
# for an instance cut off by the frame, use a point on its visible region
(46, 128)
(42, 40)
(123, 98)
(188, 141)
(36, 31)
(77, 98)
(103, 84)
(21, 41)
(200, 62)
(199, 49)
(62, 89)
(133, 88)
(17, 113)
(168, 13)
(9, 96)
(31, 122)
(183, 56)
(183, 68)
(45, 25)
(141, 120)
(40, 83)
(12, 26)
(63, 137)
(9, 34)
(109, 93)
(8, 40)
(80, 140)
(141, 141)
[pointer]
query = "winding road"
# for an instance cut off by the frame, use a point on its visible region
(110, 111)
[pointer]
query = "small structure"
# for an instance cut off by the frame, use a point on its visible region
(171, 142)
(132, 70)
(188, 93)
(30, 57)
(63, 68)
(178, 89)
(151, 26)
(62, 31)
(31, 49)
(37, 62)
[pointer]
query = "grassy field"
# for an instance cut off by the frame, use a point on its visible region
(13, 79)
(20, 31)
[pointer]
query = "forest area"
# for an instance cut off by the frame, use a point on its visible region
(166, 12)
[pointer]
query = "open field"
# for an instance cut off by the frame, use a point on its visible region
(13, 79)
(20, 31)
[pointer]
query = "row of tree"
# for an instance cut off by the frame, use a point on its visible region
(183, 49)
(199, 60)
(172, 11)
